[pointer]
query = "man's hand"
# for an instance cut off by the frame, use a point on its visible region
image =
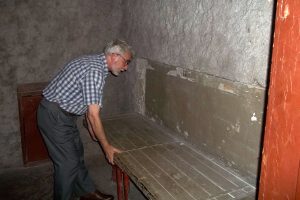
(97, 132)
(109, 151)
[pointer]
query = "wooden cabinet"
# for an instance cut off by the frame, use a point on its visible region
(33, 147)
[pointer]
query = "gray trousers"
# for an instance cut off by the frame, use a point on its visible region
(61, 136)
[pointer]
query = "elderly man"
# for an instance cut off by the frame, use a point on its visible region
(75, 91)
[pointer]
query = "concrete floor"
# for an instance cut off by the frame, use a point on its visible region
(35, 183)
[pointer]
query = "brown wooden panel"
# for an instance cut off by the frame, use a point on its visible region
(29, 97)
(35, 149)
(281, 151)
(210, 173)
(198, 177)
(177, 174)
(214, 167)
(173, 171)
(160, 176)
(133, 131)
(147, 183)
(31, 89)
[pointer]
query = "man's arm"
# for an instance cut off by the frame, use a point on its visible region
(96, 129)
(90, 129)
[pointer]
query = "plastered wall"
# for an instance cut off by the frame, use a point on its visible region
(37, 37)
(224, 38)
(205, 66)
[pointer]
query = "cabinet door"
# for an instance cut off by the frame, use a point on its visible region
(33, 144)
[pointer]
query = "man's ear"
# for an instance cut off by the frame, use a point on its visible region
(109, 59)
(114, 57)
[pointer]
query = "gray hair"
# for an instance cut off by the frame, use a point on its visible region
(119, 47)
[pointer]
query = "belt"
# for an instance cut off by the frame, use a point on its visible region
(67, 113)
(62, 110)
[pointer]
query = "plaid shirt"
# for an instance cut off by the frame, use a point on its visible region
(79, 84)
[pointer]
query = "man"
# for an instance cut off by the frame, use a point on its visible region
(75, 91)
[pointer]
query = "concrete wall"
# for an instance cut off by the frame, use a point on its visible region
(37, 37)
(225, 38)
(205, 67)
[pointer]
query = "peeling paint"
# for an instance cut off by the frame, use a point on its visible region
(149, 67)
(182, 73)
(178, 128)
(226, 88)
(254, 87)
(172, 73)
(186, 134)
(139, 85)
(253, 118)
(236, 127)
(141, 66)
(285, 12)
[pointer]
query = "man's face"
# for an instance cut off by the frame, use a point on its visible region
(120, 63)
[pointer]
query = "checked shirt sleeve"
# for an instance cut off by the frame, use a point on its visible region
(92, 86)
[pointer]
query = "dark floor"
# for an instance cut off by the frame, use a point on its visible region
(35, 183)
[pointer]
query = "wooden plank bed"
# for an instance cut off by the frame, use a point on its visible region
(165, 167)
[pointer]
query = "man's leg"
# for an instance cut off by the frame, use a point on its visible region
(65, 149)
(83, 183)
